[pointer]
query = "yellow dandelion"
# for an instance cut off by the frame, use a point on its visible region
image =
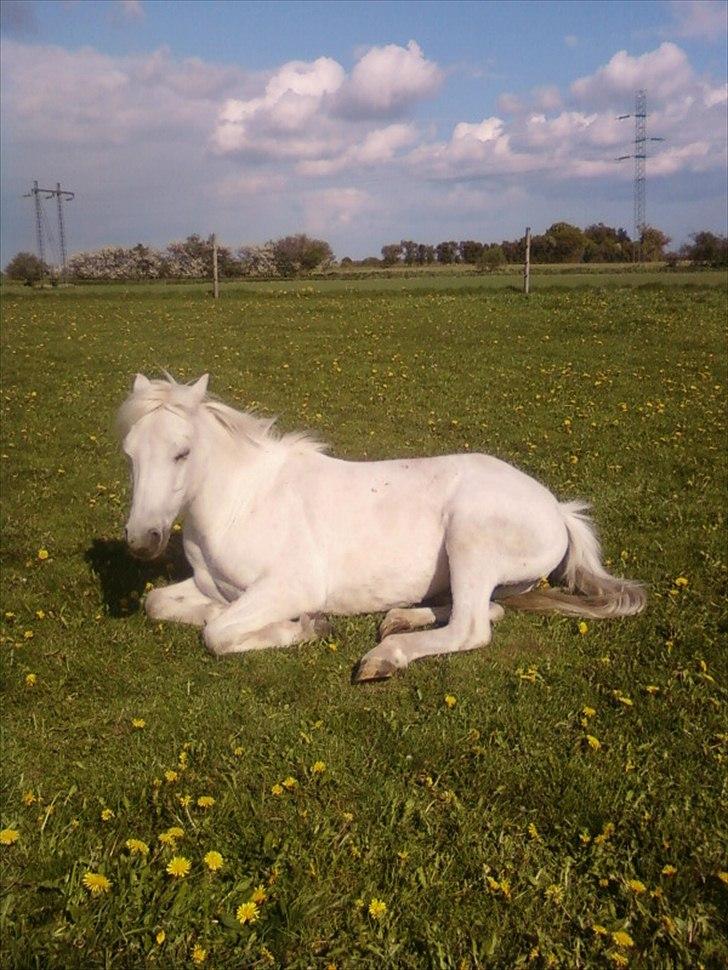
(318, 767)
(723, 876)
(554, 892)
(652, 689)
(583, 628)
(259, 895)
(205, 801)
(533, 832)
(31, 680)
(247, 913)
(40, 614)
(588, 711)
(239, 751)
(276, 789)
(668, 923)
(171, 776)
(137, 847)
(618, 959)
(623, 939)
(377, 908)
(96, 883)
(178, 867)
(184, 800)
(624, 700)
(9, 836)
(333, 647)
(29, 798)
(681, 581)
(599, 930)
(42, 554)
(289, 783)
(637, 886)
(107, 814)
(138, 723)
(594, 743)
(213, 860)
(450, 700)
(160, 937)
(199, 954)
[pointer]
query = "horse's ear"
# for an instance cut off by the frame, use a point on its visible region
(141, 383)
(199, 388)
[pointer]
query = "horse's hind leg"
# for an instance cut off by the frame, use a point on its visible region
(404, 620)
(472, 581)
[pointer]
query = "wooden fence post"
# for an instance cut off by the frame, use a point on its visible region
(527, 264)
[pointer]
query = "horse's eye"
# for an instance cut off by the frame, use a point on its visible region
(182, 455)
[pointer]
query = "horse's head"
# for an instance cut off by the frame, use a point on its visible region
(158, 438)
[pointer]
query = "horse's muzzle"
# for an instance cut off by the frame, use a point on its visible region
(149, 544)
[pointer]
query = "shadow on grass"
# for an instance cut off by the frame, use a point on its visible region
(123, 578)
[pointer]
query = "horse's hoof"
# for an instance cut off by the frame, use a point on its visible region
(372, 668)
(395, 625)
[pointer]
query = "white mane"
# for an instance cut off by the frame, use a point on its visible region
(244, 426)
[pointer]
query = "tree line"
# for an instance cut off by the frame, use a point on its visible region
(300, 254)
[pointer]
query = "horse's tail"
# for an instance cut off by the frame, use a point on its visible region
(587, 589)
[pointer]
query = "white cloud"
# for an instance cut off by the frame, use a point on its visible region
(699, 19)
(388, 80)
(327, 210)
(663, 72)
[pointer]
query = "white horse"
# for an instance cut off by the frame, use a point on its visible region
(278, 534)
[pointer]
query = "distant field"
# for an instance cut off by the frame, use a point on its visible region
(566, 808)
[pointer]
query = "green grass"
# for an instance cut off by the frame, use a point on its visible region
(495, 834)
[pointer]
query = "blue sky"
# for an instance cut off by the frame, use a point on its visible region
(360, 122)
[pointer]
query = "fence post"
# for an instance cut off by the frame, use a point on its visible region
(527, 264)
(215, 279)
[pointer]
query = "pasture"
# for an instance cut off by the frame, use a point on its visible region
(555, 800)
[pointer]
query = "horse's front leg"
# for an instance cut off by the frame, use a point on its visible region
(270, 613)
(182, 603)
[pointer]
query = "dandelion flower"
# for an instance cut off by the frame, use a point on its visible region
(669, 870)
(137, 847)
(623, 939)
(171, 776)
(681, 581)
(533, 832)
(583, 628)
(205, 801)
(247, 913)
(31, 680)
(594, 743)
(723, 876)
(554, 892)
(239, 751)
(637, 886)
(588, 711)
(138, 723)
(618, 959)
(29, 798)
(199, 954)
(652, 689)
(9, 836)
(213, 860)
(450, 700)
(179, 867)
(318, 767)
(184, 800)
(176, 832)
(160, 937)
(106, 815)
(259, 895)
(377, 908)
(599, 930)
(276, 789)
(96, 883)
(42, 554)
(290, 783)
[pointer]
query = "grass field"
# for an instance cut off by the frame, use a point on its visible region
(557, 800)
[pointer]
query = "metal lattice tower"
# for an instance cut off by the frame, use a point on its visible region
(640, 164)
(60, 194)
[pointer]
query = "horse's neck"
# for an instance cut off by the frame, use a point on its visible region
(227, 477)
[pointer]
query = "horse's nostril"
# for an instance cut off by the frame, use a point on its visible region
(155, 535)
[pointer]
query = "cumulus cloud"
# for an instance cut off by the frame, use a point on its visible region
(311, 109)
(386, 81)
(699, 19)
(663, 72)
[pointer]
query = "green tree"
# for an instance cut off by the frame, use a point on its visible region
(707, 249)
(391, 254)
(301, 254)
(26, 266)
(652, 244)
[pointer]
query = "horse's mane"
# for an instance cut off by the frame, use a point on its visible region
(245, 426)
